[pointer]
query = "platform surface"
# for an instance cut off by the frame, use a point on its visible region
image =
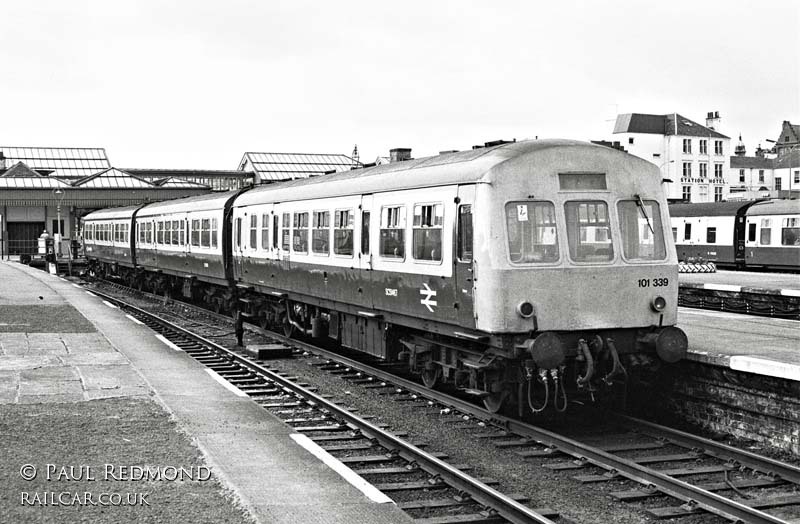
(95, 351)
(761, 345)
(748, 279)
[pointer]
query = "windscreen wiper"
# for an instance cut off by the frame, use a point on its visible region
(640, 205)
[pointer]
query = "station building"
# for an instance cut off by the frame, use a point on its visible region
(272, 167)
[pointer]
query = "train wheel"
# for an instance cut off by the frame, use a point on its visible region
(430, 377)
(216, 306)
(494, 402)
(288, 328)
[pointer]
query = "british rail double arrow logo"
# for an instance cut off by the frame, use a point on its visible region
(427, 302)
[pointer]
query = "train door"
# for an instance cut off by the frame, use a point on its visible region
(366, 245)
(238, 252)
(740, 236)
(463, 265)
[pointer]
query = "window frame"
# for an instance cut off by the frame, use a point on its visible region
(402, 216)
(351, 227)
(325, 215)
(559, 251)
(415, 228)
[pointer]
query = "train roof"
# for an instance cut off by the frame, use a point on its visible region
(473, 166)
(112, 213)
(775, 207)
(706, 209)
(211, 201)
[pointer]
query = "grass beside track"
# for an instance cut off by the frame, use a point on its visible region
(117, 432)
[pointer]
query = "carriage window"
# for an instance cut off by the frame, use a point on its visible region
(588, 231)
(790, 233)
(320, 236)
(393, 232)
(195, 235)
(711, 235)
(365, 232)
(343, 232)
(275, 219)
(300, 230)
(214, 231)
(751, 232)
(160, 232)
(532, 235)
(253, 231)
(182, 240)
(766, 231)
(687, 231)
(265, 231)
(176, 231)
(285, 242)
(465, 233)
(205, 233)
(641, 229)
(427, 236)
(239, 233)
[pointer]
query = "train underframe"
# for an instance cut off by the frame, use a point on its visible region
(526, 373)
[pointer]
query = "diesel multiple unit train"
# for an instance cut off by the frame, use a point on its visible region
(763, 234)
(524, 273)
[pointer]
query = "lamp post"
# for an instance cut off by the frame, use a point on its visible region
(59, 194)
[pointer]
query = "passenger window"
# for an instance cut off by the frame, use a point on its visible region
(285, 242)
(393, 232)
(300, 233)
(790, 233)
(321, 234)
(427, 232)
(687, 231)
(711, 235)
(751, 232)
(253, 232)
(641, 230)
(275, 219)
(766, 232)
(214, 232)
(195, 234)
(365, 232)
(532, 234)
(588, 231)
(239, 233)
(343, 232)
(465, 233)
(265, 231)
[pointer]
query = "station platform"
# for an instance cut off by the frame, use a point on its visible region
(786, 284)
(760, 345)
(59, 344)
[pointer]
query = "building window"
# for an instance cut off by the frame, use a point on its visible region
(687, 193)
(687, 145)
(630, 140)
(796, 177)
(711, 235)
(717, 194)
(687, 231)
(393, 232)
(321, 234)
(717, 147)
(703, 193)
(704, 147)
(777, 184)
(741, 175)
(761, 176)
(427, 232)
(300, 230)
(343, 232)
(703, 169)
(687, 170)
(717, 170)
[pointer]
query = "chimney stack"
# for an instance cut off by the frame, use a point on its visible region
(713, 120)
(399, 154)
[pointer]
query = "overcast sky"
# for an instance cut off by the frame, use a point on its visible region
(195, 84)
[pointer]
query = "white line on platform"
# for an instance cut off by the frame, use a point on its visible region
(762, 366)
(225, 383)
(163, 339)
(77, 286)
(373, 493)
(109, 304)
(90, 294)
(790, 292)
(723, 287)
(135, 319)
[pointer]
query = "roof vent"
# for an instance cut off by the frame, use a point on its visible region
(399, 154)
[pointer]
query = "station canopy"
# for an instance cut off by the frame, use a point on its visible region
(270, 167)
(62, 162)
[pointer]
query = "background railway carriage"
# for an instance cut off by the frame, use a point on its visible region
(107, 236)
(752, 235)
(491, 269)
(181, 244)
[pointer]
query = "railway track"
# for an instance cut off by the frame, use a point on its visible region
(368, 448)
(722, 468)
